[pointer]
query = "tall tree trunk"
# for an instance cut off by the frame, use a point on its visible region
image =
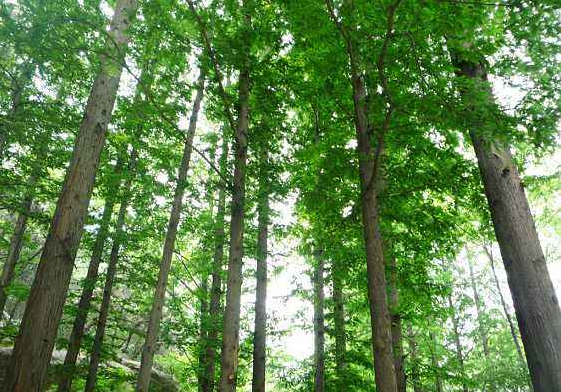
(109, 280)
(397, 340)
(231, 328)
(88, 287)
(533, 294)
(480, 324)
(457, 342)
(35, 342)
(216, 288)
(415, 376)
(260, 332)
(16, 243)
(203, 331)
(369, 158)
(505, 309)
(319, 324)
(169, 247)
(435, 363)
(339, 324)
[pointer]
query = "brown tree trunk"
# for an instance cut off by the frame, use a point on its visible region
(260, 332)
(231, 328)
(339, 330)
(506, 310)
(533, 294)
(16, 243)
(169, 247)
(457, 342)
(35, 342)
(319, 324)
(109, 279)
(216, 288)
(397, 343)
(88, 288)
(380, 319)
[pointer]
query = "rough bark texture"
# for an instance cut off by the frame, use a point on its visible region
(231, 328)
(87, 291)
(397, 343)
(260, 332)
(35, 341)
(457, 342)
(169, 246)
(16, 243)
(216, 288)
(109, 280)
(339, 330)
(535, 301)
(319, 324)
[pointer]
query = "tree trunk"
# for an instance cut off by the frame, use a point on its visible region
(457, 342)
(109, 279)
(203, 331)
(216, 288)
(397, 343)
(506, 310)
(35, 342)
(319, 324)
(88, 287)
(415, 376)
(481, 327)
(231, 328)
(436, 366)
(535, 301)
(16, 243)
(169, 246)
(260, 333)
(340, 334)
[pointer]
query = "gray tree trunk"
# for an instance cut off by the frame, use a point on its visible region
(109, 280)
(319, 323)
(231, 327)
(534, 297)
(216, 288)
(35, 342)
(16, 243)
(260, 332)
(169, 246)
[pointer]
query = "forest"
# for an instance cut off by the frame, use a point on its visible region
(280, 195)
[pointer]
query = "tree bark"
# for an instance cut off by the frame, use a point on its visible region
(457, 342)
(216, 288)
(506, 311)
(231, 328)
(169, 247)
(107, 291)
(260, 332)
(319, 324)
(16, 243)
(88, 287)
(340, 334)
(397, 341)
(384, 368)
(535, 301)
(415, 376)
(35, 342)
